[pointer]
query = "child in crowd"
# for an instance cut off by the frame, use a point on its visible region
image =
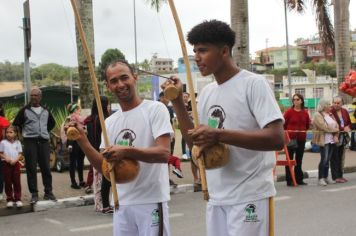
(4, 123)
(76, 155)
(74, 113)
(10, 152)
(175, 162)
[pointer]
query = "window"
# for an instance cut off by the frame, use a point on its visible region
(300, 91)
(318, 92)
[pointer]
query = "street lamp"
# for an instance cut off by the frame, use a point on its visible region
(27, 48)
(287, 47)
(135, 36)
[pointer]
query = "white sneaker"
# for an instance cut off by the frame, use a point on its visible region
(19, 204)
(185, 157)
(322, 182)
(10, 204)
(178, 173)
(330, 181)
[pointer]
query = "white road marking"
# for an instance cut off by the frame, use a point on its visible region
(56, 222)
(282, 198)
(102, 226)
(339, 189)
(89, 228)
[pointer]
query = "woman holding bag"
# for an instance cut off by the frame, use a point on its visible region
(325, 135)
(297, 122)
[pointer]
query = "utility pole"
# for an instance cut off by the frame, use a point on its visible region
(27, 49)
(71, 85)
(135, 36)
(267, 49)
(287, 47)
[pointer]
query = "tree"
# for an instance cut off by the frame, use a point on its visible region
(239, 23)
(85, 86)
(342, 41)
(144, 65)
(11, 72)
(109, 56)
(156, 3)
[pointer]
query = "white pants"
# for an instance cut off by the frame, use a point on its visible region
(247, 219)
(140, 220)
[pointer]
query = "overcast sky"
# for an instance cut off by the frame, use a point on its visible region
(53, 35)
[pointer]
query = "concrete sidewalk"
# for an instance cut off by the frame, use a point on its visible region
(68, 197)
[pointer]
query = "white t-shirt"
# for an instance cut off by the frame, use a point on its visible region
(11, 150)
(140, 127)
(37, 110)
(244, 102)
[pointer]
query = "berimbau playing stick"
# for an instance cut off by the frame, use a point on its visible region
(201, 163)
(97, 96)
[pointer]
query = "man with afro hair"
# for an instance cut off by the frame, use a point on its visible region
(252, 127)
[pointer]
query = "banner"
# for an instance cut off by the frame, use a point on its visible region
(155, 88)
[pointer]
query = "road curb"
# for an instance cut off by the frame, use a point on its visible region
(64, 203)
(89, 199)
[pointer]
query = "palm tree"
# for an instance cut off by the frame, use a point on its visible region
(85, 87)
(239, 23)
(340, 41)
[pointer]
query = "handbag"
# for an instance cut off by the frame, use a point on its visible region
(344, 139)
(292, 144)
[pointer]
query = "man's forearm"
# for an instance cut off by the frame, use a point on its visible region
(185, 123)
(95, 158)
(156, 154)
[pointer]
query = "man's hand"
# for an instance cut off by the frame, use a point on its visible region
(174, 81)
(82, 134)
(204, 136)
(114, 153)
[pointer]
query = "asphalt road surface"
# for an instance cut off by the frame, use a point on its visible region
(308, 210)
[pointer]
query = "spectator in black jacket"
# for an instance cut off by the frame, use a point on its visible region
(36, 122)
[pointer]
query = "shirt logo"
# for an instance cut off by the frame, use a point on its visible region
(155, 218)
(216, 117)
(250, 213)
(126, 137)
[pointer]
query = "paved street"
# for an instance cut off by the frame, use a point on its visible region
(309, 211)
(61, 181)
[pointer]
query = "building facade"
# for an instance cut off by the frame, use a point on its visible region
(276, 57)
(311, 89)
(161, 65)
(192, 63)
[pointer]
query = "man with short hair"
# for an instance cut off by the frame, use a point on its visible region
(36, 122)
(140, 130)
(239, 110)
(337, 161)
